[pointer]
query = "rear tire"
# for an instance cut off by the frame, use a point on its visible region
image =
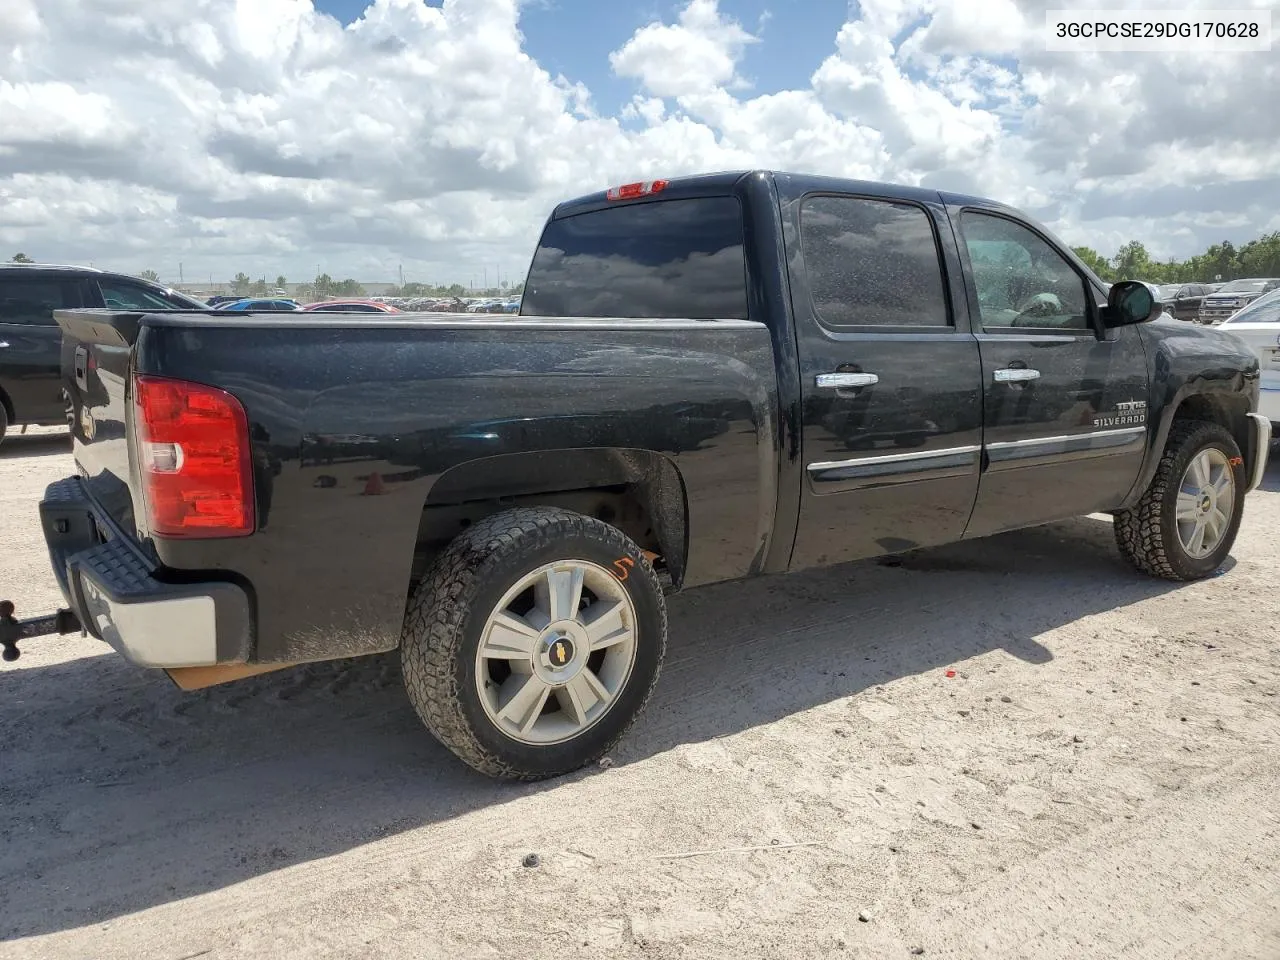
(1186, 523)
(4, 422)
(508, 656)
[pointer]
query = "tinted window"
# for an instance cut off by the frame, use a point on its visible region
(872, 262)
(667, 259)
(122, 295)
(1021, 281)
(33, 300)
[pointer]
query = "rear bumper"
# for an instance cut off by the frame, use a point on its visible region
(113, 588)
(1261, 446)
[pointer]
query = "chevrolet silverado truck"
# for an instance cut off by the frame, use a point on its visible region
(710, 378)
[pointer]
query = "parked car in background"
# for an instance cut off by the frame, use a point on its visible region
(31, 388)
(1182, 300)
(350, 306)
(262, 306)
(1234, 296)
(1258, 325)
(220, 300)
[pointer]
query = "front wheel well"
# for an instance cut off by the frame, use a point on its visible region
(1228, 410)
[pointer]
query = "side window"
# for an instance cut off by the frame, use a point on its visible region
(872, 263)
(1021, 281)
(122, 295)
(33, 300)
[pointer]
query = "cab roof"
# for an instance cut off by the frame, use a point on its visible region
(790, 185)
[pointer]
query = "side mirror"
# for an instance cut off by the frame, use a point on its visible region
(1129, 302)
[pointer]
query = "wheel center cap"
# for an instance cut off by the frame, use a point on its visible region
(1206, 502)
(559, 652)
(558, 656)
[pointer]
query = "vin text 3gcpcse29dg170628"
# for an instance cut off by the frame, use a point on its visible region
(710, 378)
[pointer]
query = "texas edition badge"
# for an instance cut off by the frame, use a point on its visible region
(1131, 413)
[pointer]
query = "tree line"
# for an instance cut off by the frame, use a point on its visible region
(1222, 261)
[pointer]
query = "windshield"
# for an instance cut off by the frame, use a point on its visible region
(1244, 286)
(1168, 291)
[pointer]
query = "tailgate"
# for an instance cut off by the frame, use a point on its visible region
(97, 353)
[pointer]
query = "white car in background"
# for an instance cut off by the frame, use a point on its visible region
(1258, 325)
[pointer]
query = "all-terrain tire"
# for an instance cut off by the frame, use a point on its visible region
(1147, 534)
(446, 618)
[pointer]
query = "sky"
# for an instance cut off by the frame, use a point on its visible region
(201, 138)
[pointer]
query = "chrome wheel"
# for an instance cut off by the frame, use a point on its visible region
(1206, 501)
(556, 651)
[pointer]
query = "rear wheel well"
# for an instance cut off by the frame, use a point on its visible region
(8, 406)
(639, 493)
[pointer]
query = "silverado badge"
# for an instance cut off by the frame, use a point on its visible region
(1130, 413)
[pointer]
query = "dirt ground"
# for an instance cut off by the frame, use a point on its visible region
(1098, 780)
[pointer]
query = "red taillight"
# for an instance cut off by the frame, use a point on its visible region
(629, 191)
(193, 454)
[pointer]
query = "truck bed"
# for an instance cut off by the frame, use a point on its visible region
(371, 434)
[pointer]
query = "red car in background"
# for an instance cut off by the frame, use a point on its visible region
(351, 306)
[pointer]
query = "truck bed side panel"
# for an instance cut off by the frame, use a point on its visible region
(353, 424)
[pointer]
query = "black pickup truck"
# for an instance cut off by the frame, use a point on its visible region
(711, 378)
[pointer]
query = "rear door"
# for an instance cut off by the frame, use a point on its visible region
(890, 376)
(1065, 415)
(30, 344)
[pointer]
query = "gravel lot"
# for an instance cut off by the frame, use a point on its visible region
(1099, 779)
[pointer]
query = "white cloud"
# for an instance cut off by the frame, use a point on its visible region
(696, 55)
(259, 135)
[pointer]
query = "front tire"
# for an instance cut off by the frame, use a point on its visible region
(534, 642)
(1186, 523)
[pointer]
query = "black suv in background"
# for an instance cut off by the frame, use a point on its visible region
(1182, 300)
(31, 343)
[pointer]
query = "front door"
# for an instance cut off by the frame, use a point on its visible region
(890, 387)
(1065, 417)
(31, 344)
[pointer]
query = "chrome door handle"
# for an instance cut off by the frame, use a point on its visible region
(1015, 375)
(843, 381)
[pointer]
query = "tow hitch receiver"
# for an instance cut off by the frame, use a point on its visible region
(13, 630)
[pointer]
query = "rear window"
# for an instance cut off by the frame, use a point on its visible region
(33, 300)
(667, 259)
